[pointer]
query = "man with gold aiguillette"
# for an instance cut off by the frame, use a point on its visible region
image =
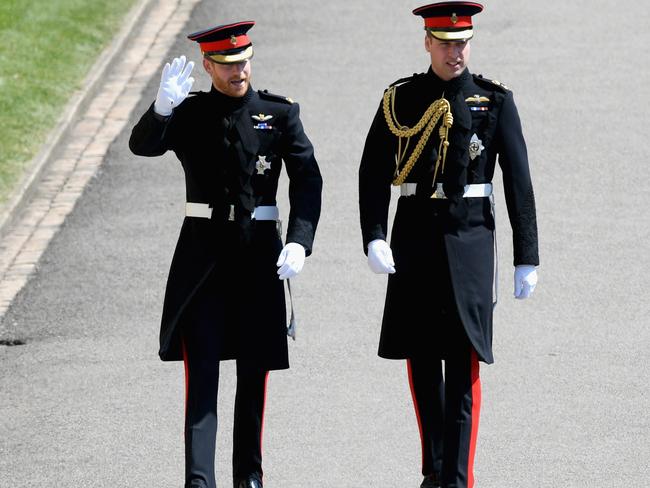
(224, 297)
(437, 136)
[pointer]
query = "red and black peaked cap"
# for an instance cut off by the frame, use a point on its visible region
(226, 44)
(449, 21)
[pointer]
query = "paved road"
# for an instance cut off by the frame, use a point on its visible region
(87, 403)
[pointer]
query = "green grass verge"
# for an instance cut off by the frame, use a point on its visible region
(46, 50)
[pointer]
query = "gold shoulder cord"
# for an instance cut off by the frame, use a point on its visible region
(437, 109)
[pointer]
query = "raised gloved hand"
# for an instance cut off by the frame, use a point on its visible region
(525, 280)
(380, 257)
(291, 260)
(175, 84)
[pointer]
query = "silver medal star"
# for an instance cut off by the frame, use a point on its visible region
(475, 147)
(262, 165)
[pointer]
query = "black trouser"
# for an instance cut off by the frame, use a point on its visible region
(202, 380)
(447, 411)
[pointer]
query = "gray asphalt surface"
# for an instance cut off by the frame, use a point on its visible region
(86, 402)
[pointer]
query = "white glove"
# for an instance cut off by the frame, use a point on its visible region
(291, 260)
(525, 280)
(380, 257)
(175, 84)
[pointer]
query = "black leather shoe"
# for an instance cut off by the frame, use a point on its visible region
(196, 484)
(250, 482)
(431, 481)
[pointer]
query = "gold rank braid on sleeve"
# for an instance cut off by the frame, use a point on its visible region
(437, 110)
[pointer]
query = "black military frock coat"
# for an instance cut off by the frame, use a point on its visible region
(220, 142)
(444, 249)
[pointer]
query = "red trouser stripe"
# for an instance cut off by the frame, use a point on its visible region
(476, 410)
(415, 405)
(266, 379)
(187, 378)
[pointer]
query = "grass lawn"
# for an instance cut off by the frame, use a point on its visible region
(46, 50)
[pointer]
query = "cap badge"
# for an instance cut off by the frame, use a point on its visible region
(475, 147)
(262, 165)
(233, 40)
(454, 18)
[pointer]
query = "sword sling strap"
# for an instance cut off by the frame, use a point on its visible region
(291, 328)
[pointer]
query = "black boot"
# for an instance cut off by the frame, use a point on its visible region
(431, 481)
(196, 484)
(252, 481)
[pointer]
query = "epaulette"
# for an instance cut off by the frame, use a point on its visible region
(404, 80)
(490, 84)
(275, 98)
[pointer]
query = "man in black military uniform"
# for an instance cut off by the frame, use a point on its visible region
(437, 135)
(224, 297)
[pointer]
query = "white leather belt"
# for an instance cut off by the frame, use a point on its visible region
(266, 212)
(204, 211)
(201, 210)
(471, 191)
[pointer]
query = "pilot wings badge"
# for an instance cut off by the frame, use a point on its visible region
(477, 99)
(262, 119)
(477, 103)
